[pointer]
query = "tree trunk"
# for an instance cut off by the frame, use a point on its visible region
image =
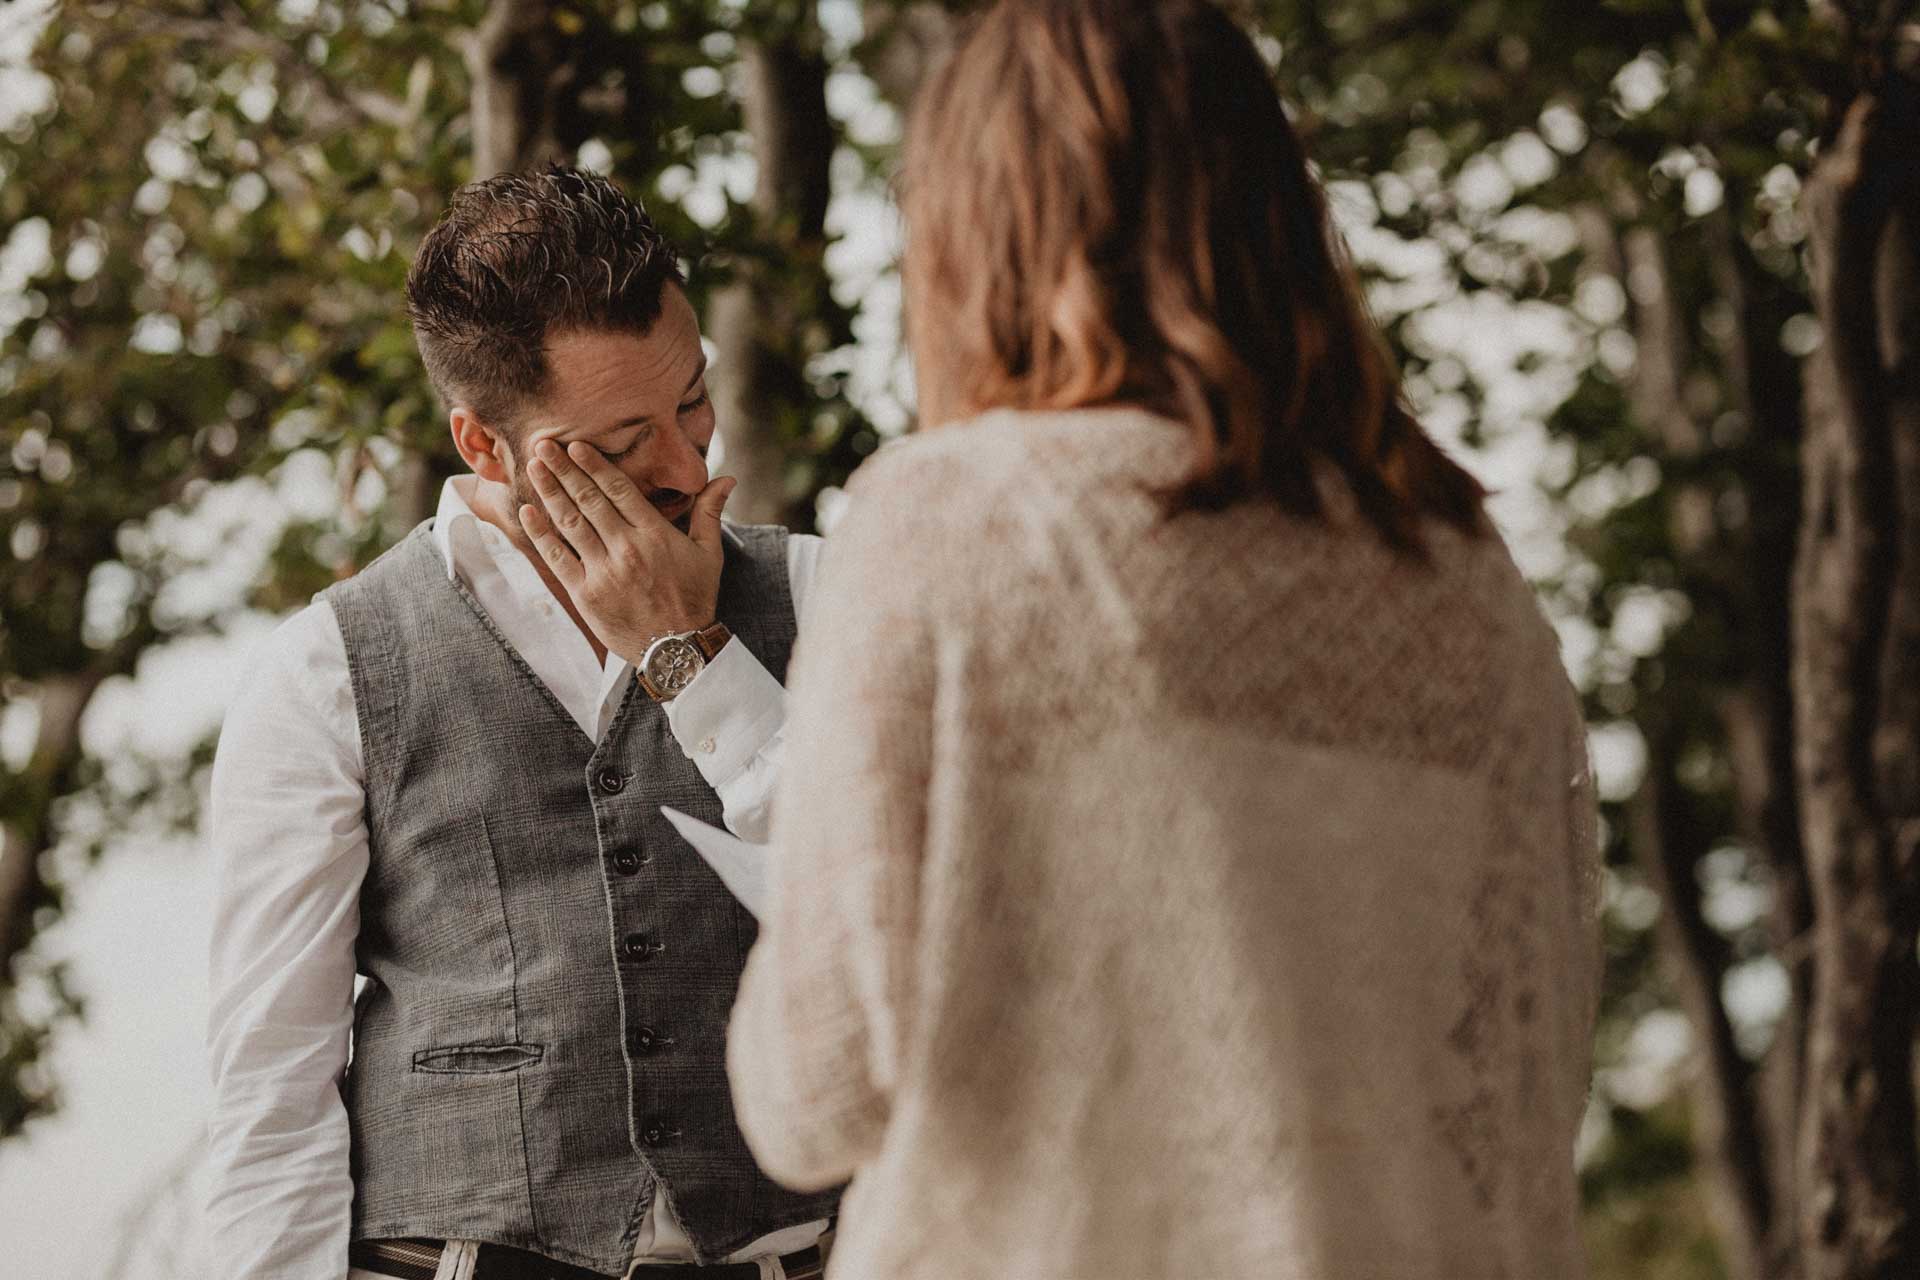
(1857, 693)
(1731, 1136)
(60, 700)
(28, 833)
(1727, 1134)
(758, 322)
(521, 74)
(1763, 381)
(522, 69)
(904, 43)
(417, 482)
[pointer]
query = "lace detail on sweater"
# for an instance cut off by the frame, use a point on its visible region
(1205, 895)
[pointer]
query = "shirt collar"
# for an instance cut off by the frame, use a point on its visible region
(466, 541)
(452, 514)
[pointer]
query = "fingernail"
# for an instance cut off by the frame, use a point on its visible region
(577, 449)
(547, 449)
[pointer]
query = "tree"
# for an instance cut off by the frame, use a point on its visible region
(1773, 699)
(761, 322)
(215, 204)
(186, 181)
(1856, 675)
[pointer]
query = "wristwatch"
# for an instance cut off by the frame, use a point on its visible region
(672, 661)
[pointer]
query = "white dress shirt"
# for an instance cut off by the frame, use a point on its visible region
(290, 849)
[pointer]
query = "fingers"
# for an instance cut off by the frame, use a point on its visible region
(552, 547)
(587, 496)
(621, 493)
(704, 526)
(563, 515)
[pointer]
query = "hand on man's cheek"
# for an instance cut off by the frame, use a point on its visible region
(632, 574)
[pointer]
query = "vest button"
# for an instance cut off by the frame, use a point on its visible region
(612, 781)
(639, 947)
(644, 1040)
(626, 862)
(656, 1134)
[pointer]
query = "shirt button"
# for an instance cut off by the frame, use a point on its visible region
(640, 947)
(626, 862)
(612, 782)
(706, 745)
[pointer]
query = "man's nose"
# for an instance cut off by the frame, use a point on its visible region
(684, 468)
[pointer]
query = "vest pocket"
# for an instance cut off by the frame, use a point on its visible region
(478, 1059)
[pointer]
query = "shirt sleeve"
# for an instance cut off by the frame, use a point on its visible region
(816, 1030)
(289, 853)
(731, 720)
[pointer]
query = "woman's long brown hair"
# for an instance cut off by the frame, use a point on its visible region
(1105, 203)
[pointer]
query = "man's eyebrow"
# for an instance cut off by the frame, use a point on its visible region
(699, 372)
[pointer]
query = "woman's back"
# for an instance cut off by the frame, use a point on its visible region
(1166, 895)
(1253, 931)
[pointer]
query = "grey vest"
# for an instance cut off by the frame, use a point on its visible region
(542, 1036)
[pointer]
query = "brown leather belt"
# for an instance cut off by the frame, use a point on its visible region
(420, 1260)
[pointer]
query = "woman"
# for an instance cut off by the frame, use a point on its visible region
(1186, 852)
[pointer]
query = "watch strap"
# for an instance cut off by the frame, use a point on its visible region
(711, 640)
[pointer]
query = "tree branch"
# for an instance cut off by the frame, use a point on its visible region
(350, 103)
(1726, 1111)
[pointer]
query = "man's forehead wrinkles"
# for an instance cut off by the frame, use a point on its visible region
(637, 373)
(610, 383)
(662, 408)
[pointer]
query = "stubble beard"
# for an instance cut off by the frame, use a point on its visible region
(522, 494)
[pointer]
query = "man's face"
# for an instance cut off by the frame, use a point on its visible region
(639, 399)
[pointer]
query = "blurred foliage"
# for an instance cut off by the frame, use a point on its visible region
(1644, 1216)
(205, 238)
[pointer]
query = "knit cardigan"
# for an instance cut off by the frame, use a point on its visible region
(1196, 896)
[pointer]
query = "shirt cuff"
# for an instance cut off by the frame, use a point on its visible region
(728, 714)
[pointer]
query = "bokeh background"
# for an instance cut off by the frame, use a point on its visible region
(1618, 245)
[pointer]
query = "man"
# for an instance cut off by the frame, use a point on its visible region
(438, 777)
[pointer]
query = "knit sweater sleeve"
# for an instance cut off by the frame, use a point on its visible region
(816, 1031)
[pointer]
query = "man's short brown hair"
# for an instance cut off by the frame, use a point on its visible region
(521, 256)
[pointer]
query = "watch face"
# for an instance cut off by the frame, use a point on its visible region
(672, 664)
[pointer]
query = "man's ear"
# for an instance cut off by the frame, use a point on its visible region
(482, 447)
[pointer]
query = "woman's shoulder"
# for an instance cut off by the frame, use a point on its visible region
(1007, 446)
(964, 510)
